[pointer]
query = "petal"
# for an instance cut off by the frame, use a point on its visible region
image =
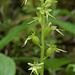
(29, 37)
(30, 64)
(51, 15)
(31, 68)
(36, 71)
(61, 50)
(31, 21)
(31, 72)
(40, 64)
(39, 67)
(59, 31)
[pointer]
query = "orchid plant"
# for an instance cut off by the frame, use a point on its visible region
(46, 28)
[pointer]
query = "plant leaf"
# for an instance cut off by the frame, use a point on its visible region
(63, 11)
(7, 65)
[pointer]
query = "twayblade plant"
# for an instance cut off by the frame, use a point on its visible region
(46, 29)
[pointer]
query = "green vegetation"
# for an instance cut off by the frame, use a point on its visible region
(48, 32)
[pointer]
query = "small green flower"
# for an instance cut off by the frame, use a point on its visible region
(55, 28)
(54, 47)
(45, 11)
(34, 38)
(35, 67)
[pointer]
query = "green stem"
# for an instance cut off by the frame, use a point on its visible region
(42, 49)
(42, 41)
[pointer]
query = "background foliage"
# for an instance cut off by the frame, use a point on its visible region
(14, 29)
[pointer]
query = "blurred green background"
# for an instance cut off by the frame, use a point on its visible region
(14, 29)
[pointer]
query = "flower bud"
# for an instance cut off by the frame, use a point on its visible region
(49, 52)
(35, 40)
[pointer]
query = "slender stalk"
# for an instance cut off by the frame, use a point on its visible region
(42, 41)
(42, 49)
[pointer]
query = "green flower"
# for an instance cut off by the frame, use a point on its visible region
(54, 47)
(35, 67)
(55, 28)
